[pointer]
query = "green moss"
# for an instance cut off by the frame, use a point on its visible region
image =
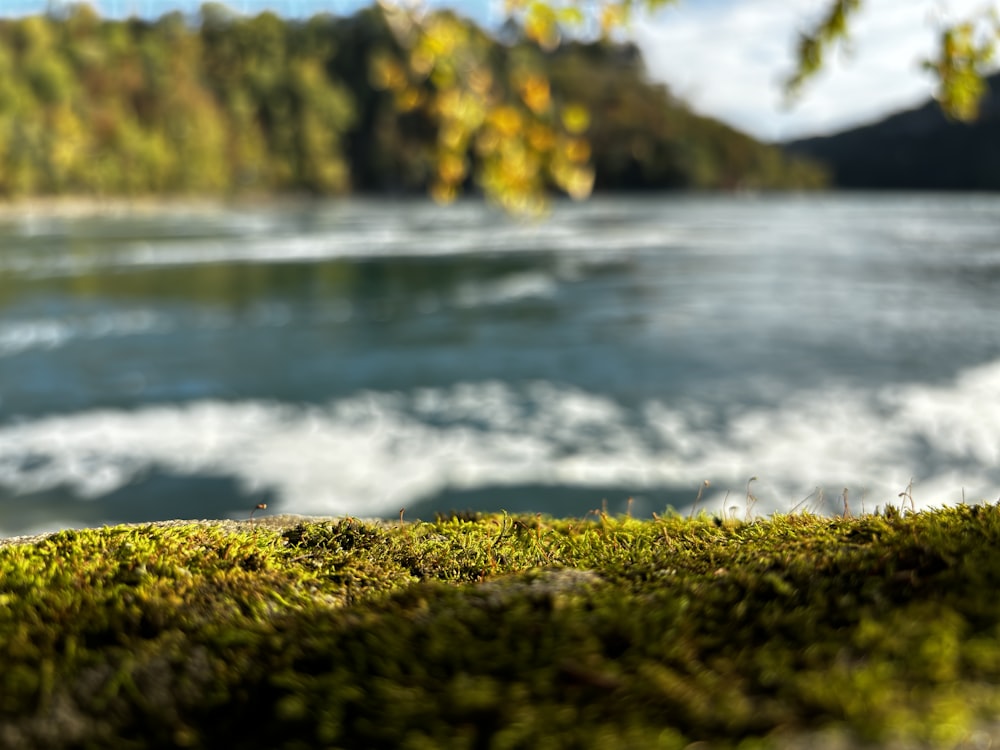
(500, 632)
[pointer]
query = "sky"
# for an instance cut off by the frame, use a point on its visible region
(726, 58)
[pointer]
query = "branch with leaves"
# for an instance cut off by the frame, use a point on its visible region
(965, 52)
(524, 140)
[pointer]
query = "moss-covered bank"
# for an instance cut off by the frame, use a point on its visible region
(507, 632)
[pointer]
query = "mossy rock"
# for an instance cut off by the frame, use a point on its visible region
(506, 632)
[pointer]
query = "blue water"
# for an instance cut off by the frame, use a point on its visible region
(363, 357)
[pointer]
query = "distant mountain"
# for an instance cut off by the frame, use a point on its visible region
(920, 149)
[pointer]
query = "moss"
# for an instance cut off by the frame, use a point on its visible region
(497, 632)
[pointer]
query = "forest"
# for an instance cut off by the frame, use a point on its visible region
(236, 105)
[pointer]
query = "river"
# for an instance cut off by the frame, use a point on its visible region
(360, 357)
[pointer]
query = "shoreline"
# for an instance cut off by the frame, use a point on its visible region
(82, 206)
(77, 206)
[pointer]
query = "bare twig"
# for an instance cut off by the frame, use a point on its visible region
(701, 489)
(907, 494)
(259, 506)
(804, 500)
(751, 499)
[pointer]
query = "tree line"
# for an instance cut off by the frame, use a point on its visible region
(236, 104)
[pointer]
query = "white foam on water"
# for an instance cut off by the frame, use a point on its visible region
(608, 229)
(398, 241)
(374, 453)
(358, 231)
(17, 336)
(510, 288)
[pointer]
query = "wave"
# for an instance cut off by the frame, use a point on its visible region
(375, 452)
(354, 231)
(50, 333)
(599, 232)
(282, 232)
(510, 288)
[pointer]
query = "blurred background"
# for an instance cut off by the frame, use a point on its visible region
(223, 280)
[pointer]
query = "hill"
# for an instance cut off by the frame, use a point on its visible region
(263, 105)
(920, 149)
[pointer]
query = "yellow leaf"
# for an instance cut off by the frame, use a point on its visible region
(541, 25)
(535, 93)
(409, 99)
(443, 193)
(541, 138)
(613, 15)
(451, 169)
(480, 81)
(487, 141)
(506, 120)
(577, 150)
(575, 118)
(571, 15)
(580, 185)
(386, 73)
(453, 136)
(422, 61)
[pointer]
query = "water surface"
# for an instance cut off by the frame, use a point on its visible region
(362, 357)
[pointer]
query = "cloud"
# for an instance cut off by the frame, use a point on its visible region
(727, 59)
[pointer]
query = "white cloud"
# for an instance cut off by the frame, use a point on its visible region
(728, 59)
